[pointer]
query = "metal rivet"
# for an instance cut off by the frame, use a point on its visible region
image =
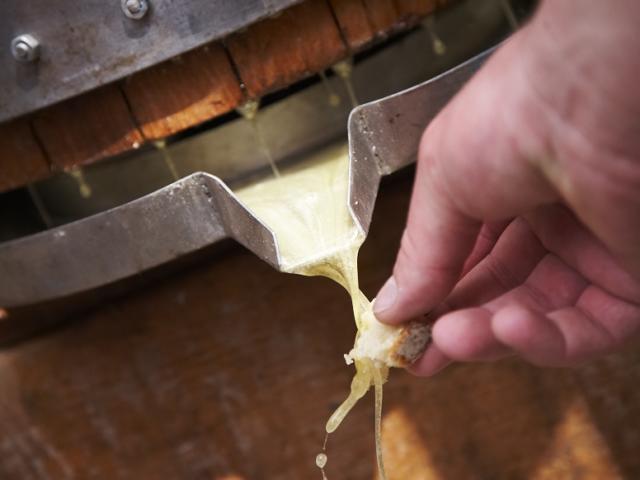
(135, 9)
(25, 48)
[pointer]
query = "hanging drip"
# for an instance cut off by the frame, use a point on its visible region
(321, 458)
(249, 110)
(83, 187)
(344, 70)
(437, 45)
(332, 96)
(161, 145)
(39, 204)
(510, 14)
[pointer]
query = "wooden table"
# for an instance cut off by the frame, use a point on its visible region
(229, 371)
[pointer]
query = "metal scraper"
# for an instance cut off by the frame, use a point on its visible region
(384, 135)
(200, 209)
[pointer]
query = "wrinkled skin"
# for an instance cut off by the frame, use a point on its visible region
(523, 235)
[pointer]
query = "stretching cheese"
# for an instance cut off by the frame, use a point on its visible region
(307, 210)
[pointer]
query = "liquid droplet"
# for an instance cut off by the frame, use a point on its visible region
(344, 70)
(333, 97)
(438, 46)
(321, 460)
(249, 110)
(161, 145)
(40, 207)
(510, 14)
(83, 186)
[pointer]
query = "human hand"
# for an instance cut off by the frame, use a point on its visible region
(523, 234)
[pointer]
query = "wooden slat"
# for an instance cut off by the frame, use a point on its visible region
(183, 92)
(87, 128)
(363, 21)
(413, 10)
(201, 85)
(21, 158)
(353, 21)
(276, 52)
(383, 15)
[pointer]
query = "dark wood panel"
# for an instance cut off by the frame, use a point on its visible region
(413, 10)
(351, 16)
(21, 158)
(382, 14)
(87, 128)
(276, 52)
(364, 21)
(183, 92)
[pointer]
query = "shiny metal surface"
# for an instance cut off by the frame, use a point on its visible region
(121, 241)
(384, 135)
(291, 127)
(135, 9)
(183, 217)
(199, 210)
(89, 43)
(25, 48)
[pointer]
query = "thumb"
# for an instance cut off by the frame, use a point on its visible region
(474, 165)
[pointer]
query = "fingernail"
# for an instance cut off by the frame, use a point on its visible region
(386, 297)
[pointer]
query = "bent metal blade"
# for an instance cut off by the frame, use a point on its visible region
(384, 134)
(199, 210)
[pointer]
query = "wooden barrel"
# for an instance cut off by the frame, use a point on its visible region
(228, 371)
(199, 85)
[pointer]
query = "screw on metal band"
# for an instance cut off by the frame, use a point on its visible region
(135, 9)
(25, 48)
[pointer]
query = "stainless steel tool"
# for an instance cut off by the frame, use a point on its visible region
(384, 134)
(200, 209)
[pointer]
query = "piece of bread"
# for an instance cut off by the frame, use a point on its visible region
(394, 346)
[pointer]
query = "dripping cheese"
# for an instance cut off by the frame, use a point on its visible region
(307, 210)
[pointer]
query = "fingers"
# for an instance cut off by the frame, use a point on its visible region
(564, 337)
(513, 258)
(536, 304)
(486, 240)
(432, 362)
(473, 168)
(620, 318)
(530, 334)
(434, 246)
(561, 233)
(554, 319)
(467, 335)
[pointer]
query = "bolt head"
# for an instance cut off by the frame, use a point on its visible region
(25, 48)
(135, 9)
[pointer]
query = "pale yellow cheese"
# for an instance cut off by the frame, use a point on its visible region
(306, 208)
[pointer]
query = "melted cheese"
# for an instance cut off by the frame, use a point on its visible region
(306, 208)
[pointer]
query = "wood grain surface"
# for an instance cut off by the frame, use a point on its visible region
(229, 371)
(382, 15)
(21, 158)
(362, 22)
(413, 10)
(183, 92)
(87, 128)
(353, 21)
(276, 52)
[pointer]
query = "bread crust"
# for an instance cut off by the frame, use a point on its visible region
(412, 341)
